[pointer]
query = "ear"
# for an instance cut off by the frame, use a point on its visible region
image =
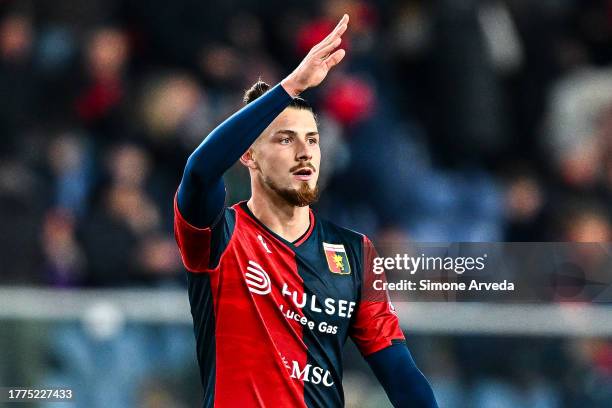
(248, 159)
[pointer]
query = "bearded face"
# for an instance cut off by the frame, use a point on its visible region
(285, 159)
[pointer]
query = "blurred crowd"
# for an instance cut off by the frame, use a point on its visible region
(472, 120)
(448, 121)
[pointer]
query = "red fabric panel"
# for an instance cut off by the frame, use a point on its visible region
(376, 323)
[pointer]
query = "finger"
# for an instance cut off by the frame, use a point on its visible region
(336, 32)
(328, 40)
(335, 58)
(323, 52)
(343, 22)
(339, 29)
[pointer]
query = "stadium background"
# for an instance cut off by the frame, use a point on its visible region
(448, 121)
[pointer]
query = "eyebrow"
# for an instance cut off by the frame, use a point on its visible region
(293, 133)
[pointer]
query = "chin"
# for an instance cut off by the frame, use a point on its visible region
(301, 184)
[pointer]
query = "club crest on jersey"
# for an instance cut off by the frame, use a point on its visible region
(337, 259)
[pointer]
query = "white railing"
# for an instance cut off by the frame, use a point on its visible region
(171, 306)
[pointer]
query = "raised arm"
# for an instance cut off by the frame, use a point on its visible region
(201, 194)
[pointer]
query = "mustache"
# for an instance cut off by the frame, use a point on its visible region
(301, 166)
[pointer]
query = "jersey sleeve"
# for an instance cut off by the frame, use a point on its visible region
(376, 325)
(194, 243)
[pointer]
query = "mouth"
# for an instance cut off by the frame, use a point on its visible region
(303, 174)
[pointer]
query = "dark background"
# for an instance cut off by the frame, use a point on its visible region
(447, 121)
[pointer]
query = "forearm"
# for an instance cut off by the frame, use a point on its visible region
(228, 141)
(404, 383)
(201, 193)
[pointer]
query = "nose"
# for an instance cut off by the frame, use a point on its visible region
(304, 151)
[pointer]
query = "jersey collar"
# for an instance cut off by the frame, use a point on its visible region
(299, 241)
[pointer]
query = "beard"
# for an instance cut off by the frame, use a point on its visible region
(300, 197)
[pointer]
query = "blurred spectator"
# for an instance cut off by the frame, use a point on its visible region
(106, 56)
(124, 238)
(18, 81)
(349, 100)
(70, 165)
(65, 260)
(525, 200)
(175, 110)
(21, 212)
(577, 123)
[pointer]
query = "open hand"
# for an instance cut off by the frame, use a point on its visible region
(314, 67)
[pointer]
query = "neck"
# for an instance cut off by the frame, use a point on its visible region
(288, 221)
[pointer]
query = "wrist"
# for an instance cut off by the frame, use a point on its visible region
(291, 87)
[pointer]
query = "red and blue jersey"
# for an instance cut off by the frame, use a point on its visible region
(271, 317)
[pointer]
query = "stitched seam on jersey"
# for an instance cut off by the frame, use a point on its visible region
(229, 243)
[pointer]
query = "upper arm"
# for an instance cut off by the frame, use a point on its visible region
(375, 327)
(200, 204)
(376, 324)
(194, 243)
(201, 248)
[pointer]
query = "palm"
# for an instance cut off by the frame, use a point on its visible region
(317, 72)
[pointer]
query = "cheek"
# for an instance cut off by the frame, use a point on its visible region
(316, 157)
(271, 163)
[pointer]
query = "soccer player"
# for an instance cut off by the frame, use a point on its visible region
(275, 291)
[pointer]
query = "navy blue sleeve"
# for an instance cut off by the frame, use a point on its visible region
(201, 194)
(404, 383)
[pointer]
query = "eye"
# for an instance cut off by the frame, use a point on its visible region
(285, 141)
(313, 140)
